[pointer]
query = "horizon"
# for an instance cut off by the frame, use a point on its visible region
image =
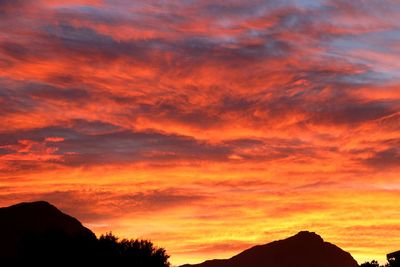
(198, 124)
(25, 211)
(41, 218)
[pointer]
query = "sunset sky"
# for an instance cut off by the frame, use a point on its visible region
(206, 126)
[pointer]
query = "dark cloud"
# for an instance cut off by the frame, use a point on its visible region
(11, 99)
(127, 146)
(38, 135)
(87, 42)
(390, 123)
(93, 127)
(95, 142)
(4, 151)
(83, 40)
(23, 97)
(175, 109)
(245, 142)
(351, 112)
(44, 91)
(90, 14)
(320, 108)
(11, 6)
(15, 50)
(89, 45)
(385, 159)
(83, 147)
(233, 9)
(269, 149)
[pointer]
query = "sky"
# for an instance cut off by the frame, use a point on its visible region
(206, 126)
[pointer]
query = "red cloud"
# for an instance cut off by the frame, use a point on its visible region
(263, 116)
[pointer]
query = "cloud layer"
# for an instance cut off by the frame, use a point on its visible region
(201, 123)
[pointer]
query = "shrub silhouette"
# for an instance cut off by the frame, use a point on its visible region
(373, 263)
(138, 253)
(55, 249)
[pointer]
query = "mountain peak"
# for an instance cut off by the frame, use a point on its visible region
(33, 205)
(39, 203)
(305, 249)
(306, 235)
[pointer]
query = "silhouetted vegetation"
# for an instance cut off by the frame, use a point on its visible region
(374, 263)
(107, 250)
(138, 253)
(370, 264)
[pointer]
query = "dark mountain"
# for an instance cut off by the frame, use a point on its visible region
(38, 232)
(305, 249)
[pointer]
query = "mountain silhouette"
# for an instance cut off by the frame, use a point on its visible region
(305, 249)
(39, 232)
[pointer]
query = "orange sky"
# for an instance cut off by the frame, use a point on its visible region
(206, 127)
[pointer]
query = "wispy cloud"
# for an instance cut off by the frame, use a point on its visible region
(225, 118)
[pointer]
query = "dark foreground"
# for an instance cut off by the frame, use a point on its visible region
(38, 234)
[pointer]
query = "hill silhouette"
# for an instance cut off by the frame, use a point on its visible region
(305, 249)
(38, 234)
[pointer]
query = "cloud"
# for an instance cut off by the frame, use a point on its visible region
(352, 112)
(9, 6)
(385, 159)
(217, 248)
(43, 91)
(95, 142)
(159, 199)
(81, 147)
(256, 111)
(30, 97)
(93, 205)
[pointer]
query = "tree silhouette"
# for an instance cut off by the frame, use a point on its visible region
(373, 263)
(133, 252)
(393, 262)
(57, 249)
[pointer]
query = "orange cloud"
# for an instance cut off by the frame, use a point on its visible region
(194, 124)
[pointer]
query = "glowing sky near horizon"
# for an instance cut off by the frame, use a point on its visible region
(207, 126)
